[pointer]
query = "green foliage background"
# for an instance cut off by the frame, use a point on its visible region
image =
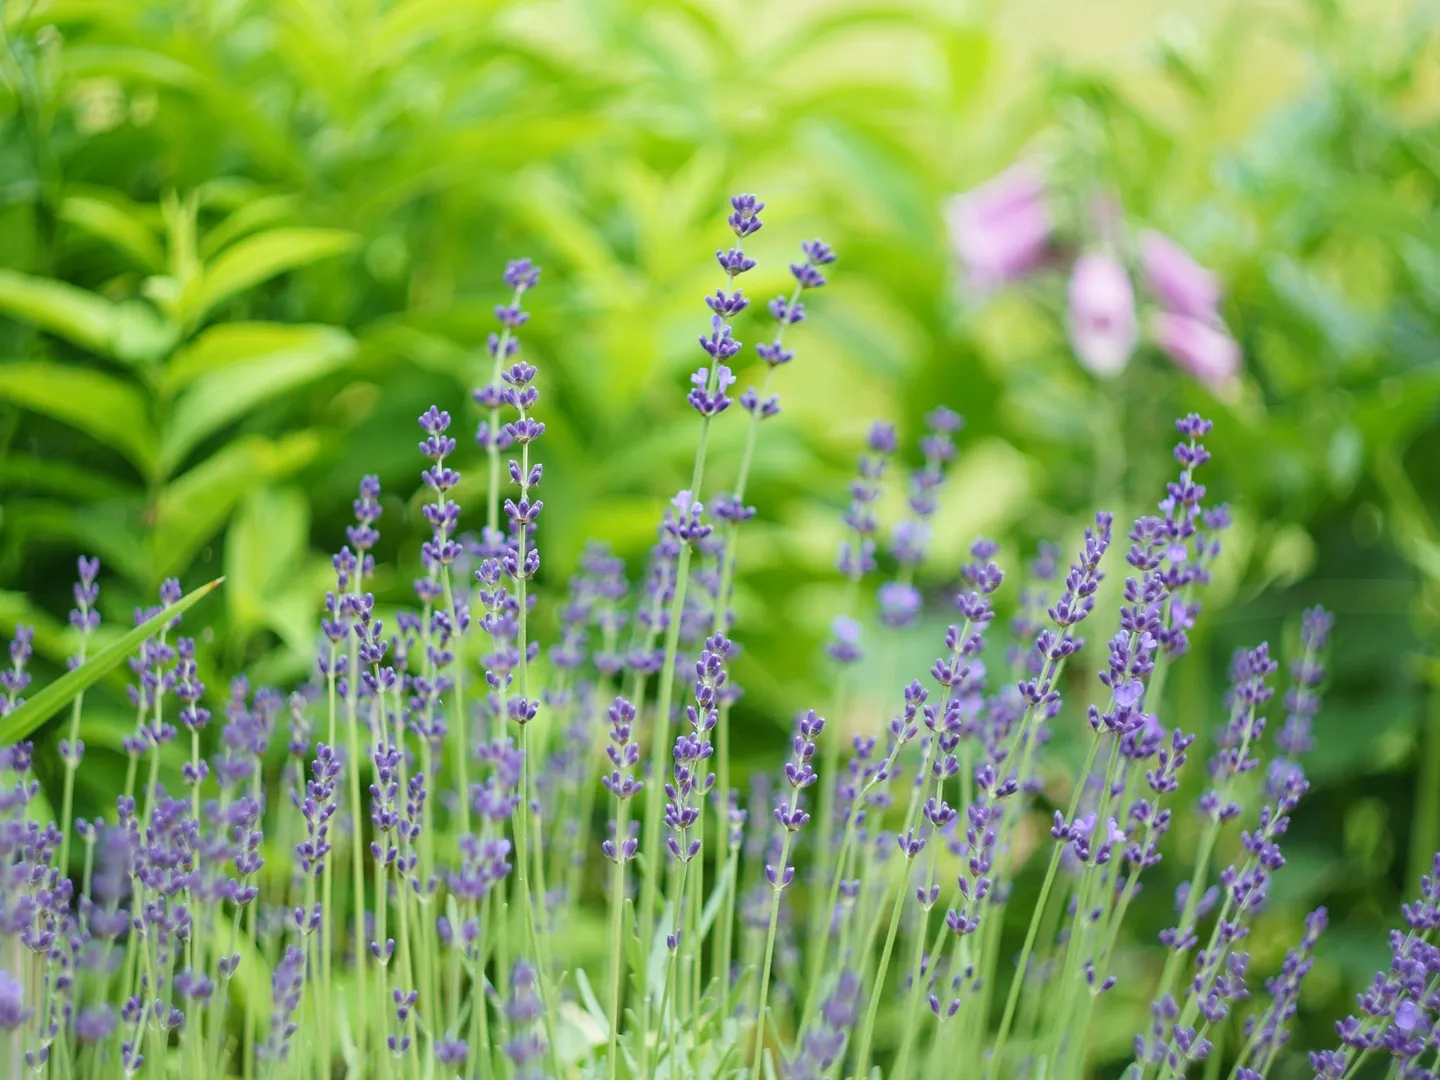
(246, 242)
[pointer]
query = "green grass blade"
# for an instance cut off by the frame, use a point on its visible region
(29, 716)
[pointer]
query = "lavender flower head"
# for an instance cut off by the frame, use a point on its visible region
(900, 601)
(857, 550)
(686, 793)
(521, 275)
(798, 776)
(709, 384)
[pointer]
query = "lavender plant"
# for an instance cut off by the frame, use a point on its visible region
(389, 900)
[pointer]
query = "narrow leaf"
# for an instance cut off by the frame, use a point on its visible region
(29, 716)
(716, 898)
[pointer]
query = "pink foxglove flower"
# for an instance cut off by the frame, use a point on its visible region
(1180, 284)
(1201, 349)
(1001, 229)
(1102, 324)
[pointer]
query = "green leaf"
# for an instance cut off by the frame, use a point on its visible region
(104, 407)
(228, 344)
(142, 335)
(711, 910)
(266, 542)
(131, 64)
(215, 400)
(105, 529)
(77, 315)
(197, 504)
(67, 478)
(117, 226)
(592, 1003)
(29, 716)
(254, 214)
(260, 257)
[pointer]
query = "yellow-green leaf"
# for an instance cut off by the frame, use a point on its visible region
(107, 221)
(196, 506)
(260, 257)
(226, 345)
(255, 214)
(77, 315)
(122, 61)
(141, 334)
(108, 409)
(215, 400)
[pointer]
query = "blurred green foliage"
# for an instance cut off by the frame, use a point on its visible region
(248, 241)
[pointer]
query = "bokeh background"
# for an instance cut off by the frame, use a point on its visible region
(246, 242)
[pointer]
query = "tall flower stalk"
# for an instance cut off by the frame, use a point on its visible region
(709, 398)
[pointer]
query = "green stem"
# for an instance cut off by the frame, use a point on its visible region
(997, 1059)
(867, 1030)
(617, 952)
(357, 847)
(776, 887)
(654, 798)
(670, 998)
(67, 801)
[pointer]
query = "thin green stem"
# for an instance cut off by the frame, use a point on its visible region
(72, 762)
(997, 1058)
(776, 886)
(617, 952)
(357, 848)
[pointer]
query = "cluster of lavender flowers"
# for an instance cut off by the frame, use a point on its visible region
(399, 891)
(1004, 232)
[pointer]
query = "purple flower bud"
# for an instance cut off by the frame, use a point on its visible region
(13, 1012)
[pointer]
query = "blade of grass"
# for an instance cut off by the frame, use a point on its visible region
(45, 704)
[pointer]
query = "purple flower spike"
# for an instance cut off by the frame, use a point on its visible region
(845, 637)
(1302, 701)
(685, 794)
(83, 615)
(857, 551)
(286, 987)
(912, 534)
(823, 1045)
(623, 751)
